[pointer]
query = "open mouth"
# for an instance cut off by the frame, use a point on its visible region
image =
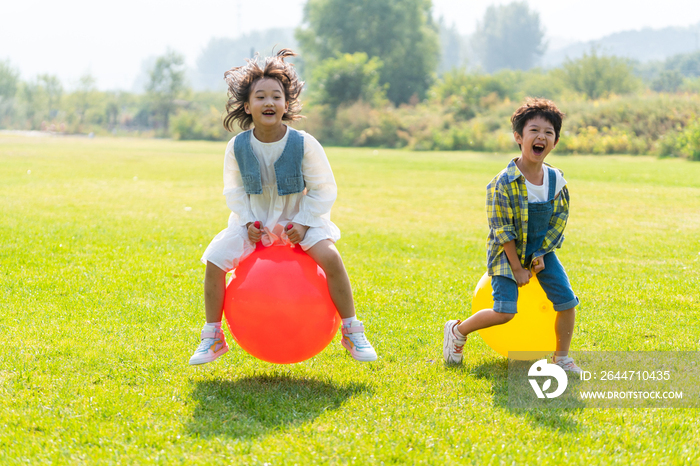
(268, 112)
(537, 149)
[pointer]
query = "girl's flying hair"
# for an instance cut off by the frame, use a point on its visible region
(241, 79)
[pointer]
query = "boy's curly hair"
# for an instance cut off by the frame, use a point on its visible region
(534, 107)
(241, 79)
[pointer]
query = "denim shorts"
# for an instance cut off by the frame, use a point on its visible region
(553, 279)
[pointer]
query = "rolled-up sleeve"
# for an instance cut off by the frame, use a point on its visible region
(321, 190)
(236, 198)
(500, 215)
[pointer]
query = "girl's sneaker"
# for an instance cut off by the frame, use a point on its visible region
(567, 364)
(354, 340)
(212, 345)
(452, 344)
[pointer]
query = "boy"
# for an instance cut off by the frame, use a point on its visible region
(527, 206)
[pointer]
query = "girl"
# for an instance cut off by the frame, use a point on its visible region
(274, 176)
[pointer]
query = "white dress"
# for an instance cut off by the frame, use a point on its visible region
(312, 207)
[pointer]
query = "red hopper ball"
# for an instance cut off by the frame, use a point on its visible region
(278, 306)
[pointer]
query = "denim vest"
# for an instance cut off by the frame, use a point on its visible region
(287, 167)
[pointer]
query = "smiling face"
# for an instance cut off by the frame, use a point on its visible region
(538, 139)
(267, 104)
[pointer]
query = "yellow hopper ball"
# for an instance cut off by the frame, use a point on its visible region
(531, 331)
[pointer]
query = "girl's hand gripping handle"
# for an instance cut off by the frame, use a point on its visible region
(296, 232)
(254, 232)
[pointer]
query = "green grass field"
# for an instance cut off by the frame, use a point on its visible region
(101, 305)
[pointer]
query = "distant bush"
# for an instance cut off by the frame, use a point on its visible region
(599, 76)
(687, 64)
(202, 125)
(421, 127)
(357, 125)
(465, 95)
(689, 142)
(668, 81)
(472, 135)
(683, 143)
(625, 125)
(590, 140)
(346, 79)
(535, 83)
(648, 124)
(608, 110)
(690, 86)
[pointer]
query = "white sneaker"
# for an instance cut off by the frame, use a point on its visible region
(354, 340)
(212, 345)
(567, 364)
(451, 344)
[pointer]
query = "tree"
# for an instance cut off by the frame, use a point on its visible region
(80, 101)
(686, 64)
(401, 33)
(166, 84)
(38, 100)
(9, 81)
(667, 81)
(347, 79)
(509, 36)
(9, 78)
(453, 48)
(598, 76)
(53, 91)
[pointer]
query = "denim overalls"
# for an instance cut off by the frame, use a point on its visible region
(290, 179)
(553, 278)
(538, 216)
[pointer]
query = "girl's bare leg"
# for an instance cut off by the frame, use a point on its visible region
(214, 291)
(328, 258)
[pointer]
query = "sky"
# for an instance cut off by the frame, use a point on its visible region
(110, 41)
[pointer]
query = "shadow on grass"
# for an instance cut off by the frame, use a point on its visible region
(496, 372)
(256, 405)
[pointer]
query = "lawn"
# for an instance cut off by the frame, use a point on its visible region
(101, 305)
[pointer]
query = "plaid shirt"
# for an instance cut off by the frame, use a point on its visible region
(506, 209)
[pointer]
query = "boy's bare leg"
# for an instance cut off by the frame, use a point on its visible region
(483, 319)
(564, 329)
(328, 258)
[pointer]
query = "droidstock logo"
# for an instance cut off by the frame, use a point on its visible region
(543, 369)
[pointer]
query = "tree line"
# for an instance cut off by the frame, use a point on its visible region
(390, 60)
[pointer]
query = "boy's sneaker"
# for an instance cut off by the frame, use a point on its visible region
(567, 364)
(452, 343)
(354, 340)
(212, 346)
